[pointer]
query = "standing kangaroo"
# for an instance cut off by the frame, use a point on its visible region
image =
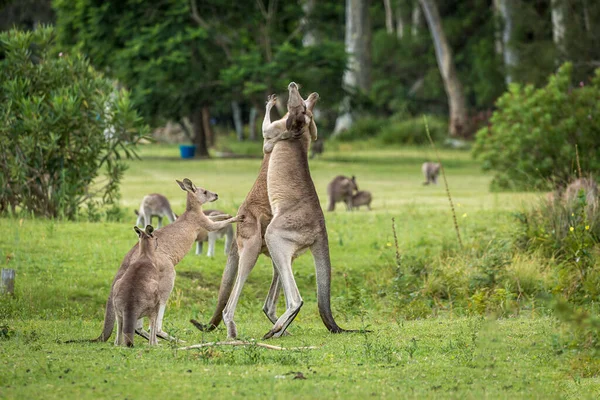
(176, 240)
(212, 237)
(154, 205)
(341, 188)
(136, 294)
(298, 222)
(430, 172)
(248, 245)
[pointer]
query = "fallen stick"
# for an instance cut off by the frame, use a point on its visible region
(244, 343)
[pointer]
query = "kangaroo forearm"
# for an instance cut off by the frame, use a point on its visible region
(216, 225)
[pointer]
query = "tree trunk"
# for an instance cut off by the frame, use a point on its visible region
(443, 54)
(208, 131)
(389, 17)
(252, 122)
(505, 10)
(309, 38)
(358, 48)
(399, 21)
(199, 135)
(558, 25)
(237, 120)
(586, 17)
(415, 19)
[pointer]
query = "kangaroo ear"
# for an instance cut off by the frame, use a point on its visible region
(136, 212)
(353, 178)
(311, 100)
(138, 231)
(149, 229)
(190, 187)
(181, 185)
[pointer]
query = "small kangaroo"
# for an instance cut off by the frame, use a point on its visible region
(154, 205)
(341, 188)
(211, 237)
(136, 294)
(430, 172)
(362, 198)
(176, 240)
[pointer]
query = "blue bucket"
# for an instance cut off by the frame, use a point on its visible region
(187, 151)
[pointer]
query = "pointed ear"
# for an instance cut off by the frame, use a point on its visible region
(353, 178)
(149, 229)
(311, 100)
(190, 187)
(138, 231)
(181, 185)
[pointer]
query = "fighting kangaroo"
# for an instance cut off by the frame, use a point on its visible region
(136, 293)
(176, 240)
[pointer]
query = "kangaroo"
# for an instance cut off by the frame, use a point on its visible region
(298, 222)
(154, 205)
(430, 172)
(248, 244)
(339, 189)
(136, 294)
(211, 237)
(176, 240)
(362, 198)
(317, 148)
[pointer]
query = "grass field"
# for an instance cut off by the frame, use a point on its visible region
(64, 270)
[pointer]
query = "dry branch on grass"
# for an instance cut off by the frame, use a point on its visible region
(245, 343)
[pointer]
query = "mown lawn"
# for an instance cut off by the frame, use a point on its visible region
(64, 270)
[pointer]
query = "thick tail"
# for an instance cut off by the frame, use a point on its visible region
(109, 321)
(129, 321)
(227, 281)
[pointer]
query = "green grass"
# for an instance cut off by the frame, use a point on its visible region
(64, 270)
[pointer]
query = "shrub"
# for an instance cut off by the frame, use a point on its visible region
(62, 125)
(362, 129)
(412, 131)
(531, 142)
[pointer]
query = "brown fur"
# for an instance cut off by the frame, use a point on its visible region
(341, 188)
(430, 172)
(362, 198)
(175, 240)
(136, 294)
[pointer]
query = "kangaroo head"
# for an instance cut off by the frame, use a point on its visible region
(354, 184)
(297, 117)
(145, 236)
(196, 196)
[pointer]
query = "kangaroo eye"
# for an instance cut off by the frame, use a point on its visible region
(205, 192)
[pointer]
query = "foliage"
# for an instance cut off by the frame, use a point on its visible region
(531, 142)
(62, 125)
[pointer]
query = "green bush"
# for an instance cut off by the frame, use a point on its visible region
(396, 130)
(62, 125)
(531, 142)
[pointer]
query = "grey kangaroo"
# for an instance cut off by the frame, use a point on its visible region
(176, 240)
(362, 198)
(430, 172)
(154, 205)
(136, 293)
(341, 188)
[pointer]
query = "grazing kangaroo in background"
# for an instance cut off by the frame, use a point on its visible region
(298, 222)
(341, 188)
(317, 147)
(248, 244)
(212, 237)
(154, 205)
(136, 294)
(430, 172)
(362, 198)
(176, 240)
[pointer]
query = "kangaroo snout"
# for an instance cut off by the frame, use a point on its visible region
(292, 85)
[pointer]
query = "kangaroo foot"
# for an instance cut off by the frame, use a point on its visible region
(203, 327)
(143, 333)
(166, 336)
(278, 331)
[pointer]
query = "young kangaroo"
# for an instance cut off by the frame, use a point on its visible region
(136, 294)
(211, 237)
(430, 172)
(298, 222)
(341, 188)
(154, 205)
(362, 198)
(176, 240)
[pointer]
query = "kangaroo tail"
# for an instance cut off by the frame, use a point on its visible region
(109, 321)
(129, 321)
(227, 281)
